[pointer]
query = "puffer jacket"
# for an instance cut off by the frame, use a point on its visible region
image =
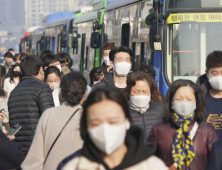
(146, 121)
(26, 104)
(162, 136)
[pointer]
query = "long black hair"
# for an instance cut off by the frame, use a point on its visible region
(200, 104)
(11, 73)
(99, 95)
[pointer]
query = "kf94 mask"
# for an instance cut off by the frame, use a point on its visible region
(107, 138)
(184, 108)
(140, 101)
(122, 68)
(216, 82)
(106, 60)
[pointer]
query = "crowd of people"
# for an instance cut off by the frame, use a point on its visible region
(119, 121)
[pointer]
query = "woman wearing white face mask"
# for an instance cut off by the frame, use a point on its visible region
(183, 140)
(142, 94)
(109, 140)
(52, 78)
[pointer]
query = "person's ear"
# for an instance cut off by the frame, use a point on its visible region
(45, 68)
(41, 71)
(206, 74)
(83, 98)
(111, 63)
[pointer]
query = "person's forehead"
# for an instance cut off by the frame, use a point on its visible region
(122, 54)
(106, 51)
(216, 69)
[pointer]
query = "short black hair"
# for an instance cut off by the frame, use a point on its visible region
(200, 104)
(116, 50)
(52, 69)
(10, 49)
(73, 87)
(45, 52)
(22, 56)
(16, 57)
(98, 95)
(30, 65)
(63, 57)
(147, 69)
(95, 74)
(48, 59)
(214, 59)
(8, 55)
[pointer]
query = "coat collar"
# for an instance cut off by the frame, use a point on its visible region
(30, 78)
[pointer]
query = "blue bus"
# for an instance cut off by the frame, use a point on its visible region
(188, 30)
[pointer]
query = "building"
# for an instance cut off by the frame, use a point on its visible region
(16, 16)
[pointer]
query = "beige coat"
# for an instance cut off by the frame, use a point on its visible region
(49, 126)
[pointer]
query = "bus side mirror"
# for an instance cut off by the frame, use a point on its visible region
(157, 41)
(95, 40)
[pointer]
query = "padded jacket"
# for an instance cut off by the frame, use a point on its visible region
(26, 104)
(163, 134)
(147, 120)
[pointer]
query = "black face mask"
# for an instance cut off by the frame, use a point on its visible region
(16, 74)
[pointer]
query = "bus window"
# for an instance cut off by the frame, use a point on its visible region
(125, 34)
(86, 60)
(82, 52)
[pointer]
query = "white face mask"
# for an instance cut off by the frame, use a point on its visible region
(54, 85)
(107, 138)
(122, 68)
(216, 82)
(140, 101)
(106, 60)
(184, 108)
(59, 67)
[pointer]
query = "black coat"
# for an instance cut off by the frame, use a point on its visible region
(147, 120)
(214, 161)
(26, 104)
(10, 153)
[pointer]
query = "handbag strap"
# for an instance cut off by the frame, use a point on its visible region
(59, 135)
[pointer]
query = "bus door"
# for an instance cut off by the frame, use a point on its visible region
(125, 34)
(82, 52)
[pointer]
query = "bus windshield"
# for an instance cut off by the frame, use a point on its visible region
(190, 43)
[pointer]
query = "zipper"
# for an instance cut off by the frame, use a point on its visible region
(144, 126)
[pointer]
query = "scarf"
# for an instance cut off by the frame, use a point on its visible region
(183, 151)
(141, 110)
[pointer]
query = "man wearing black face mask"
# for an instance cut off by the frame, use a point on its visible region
(8, 62)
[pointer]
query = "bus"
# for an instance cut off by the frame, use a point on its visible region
(188, 30)
(56, 33)
(26, 47)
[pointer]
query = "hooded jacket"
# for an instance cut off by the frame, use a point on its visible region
(27, 102)
(137, 157)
